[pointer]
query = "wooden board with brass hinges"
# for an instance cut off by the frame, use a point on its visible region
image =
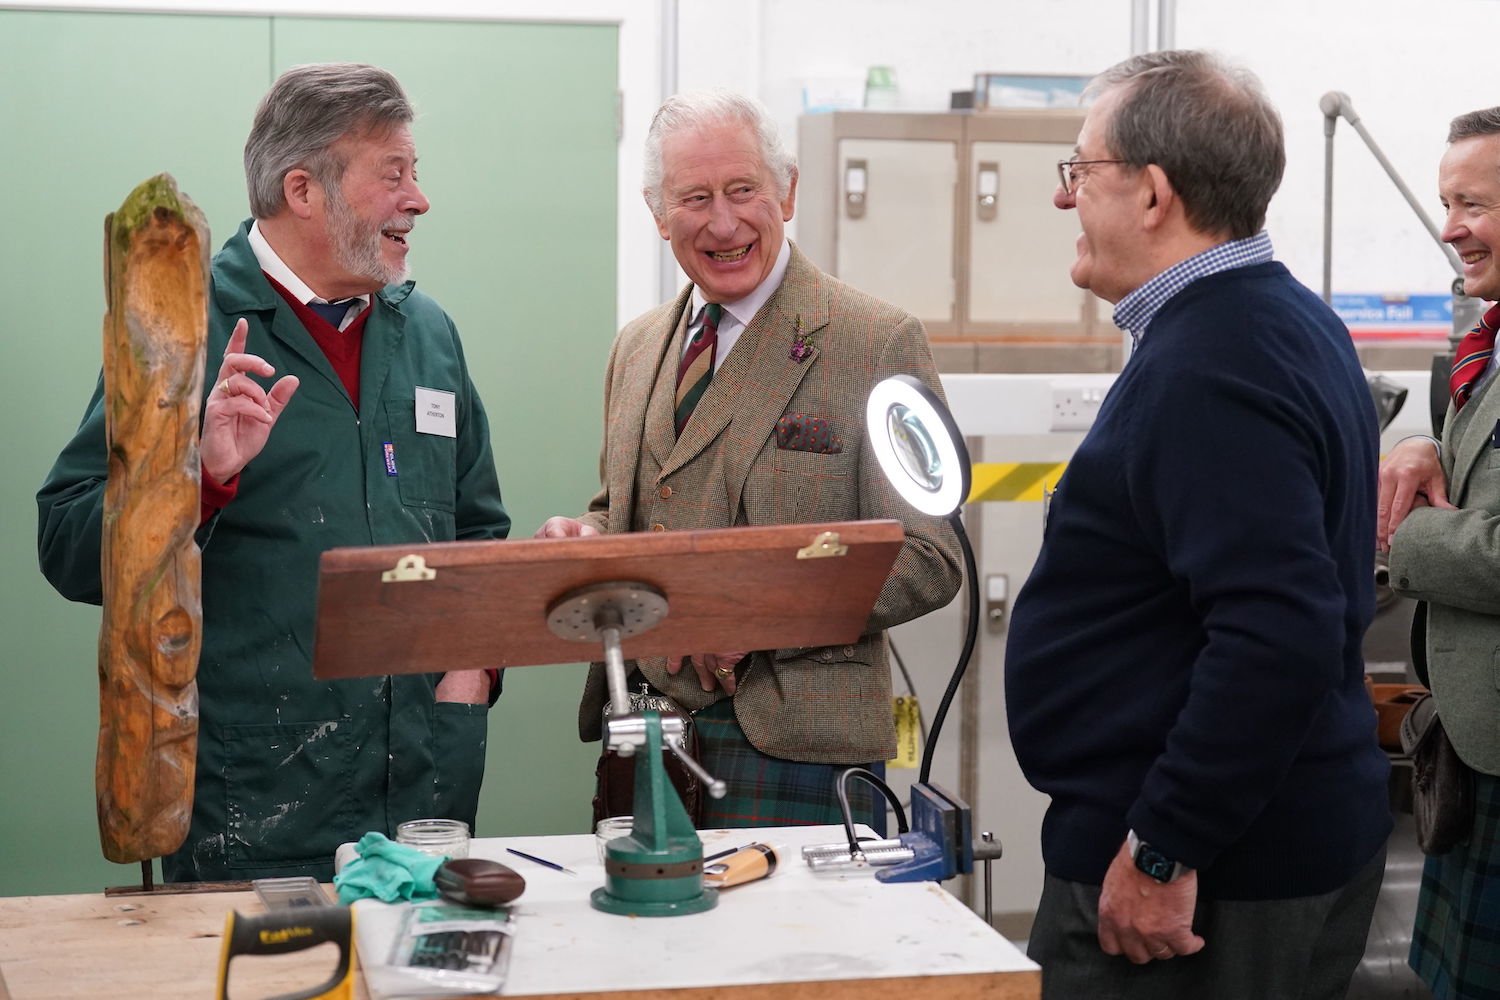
(460, 605)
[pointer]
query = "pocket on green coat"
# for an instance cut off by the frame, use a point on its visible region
(287, 791)
(459, 733)
(424, 463)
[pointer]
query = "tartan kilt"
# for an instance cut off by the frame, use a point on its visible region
(769, 791)
(1455, 945)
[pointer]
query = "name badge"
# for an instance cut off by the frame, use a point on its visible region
(435, 412)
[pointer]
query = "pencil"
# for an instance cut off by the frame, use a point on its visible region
(541, 861)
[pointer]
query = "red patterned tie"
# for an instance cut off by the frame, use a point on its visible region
(697, 366)
(1472, 357)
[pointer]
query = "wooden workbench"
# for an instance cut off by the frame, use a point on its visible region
(795, 936)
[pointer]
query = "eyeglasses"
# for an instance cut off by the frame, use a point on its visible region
(1070, 175)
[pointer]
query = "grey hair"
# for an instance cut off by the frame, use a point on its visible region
(706, 108)
(1474, 124)
(1209, 127)
(306, 112)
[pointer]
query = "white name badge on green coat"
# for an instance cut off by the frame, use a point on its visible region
(435, 412)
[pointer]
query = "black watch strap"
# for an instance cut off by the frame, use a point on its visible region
(1152, 861)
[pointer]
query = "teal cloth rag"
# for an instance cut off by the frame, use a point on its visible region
(387, 871)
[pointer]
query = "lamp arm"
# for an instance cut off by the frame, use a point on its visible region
(971, 635)
(1335, 105)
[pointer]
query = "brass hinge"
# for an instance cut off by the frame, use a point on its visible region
(409, 569)
(824, 546)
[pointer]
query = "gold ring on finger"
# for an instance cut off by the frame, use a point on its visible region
(723, 672)
(224, 387)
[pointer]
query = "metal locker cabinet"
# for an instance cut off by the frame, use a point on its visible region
(895, 232)
(1018, 245)
(1010, 248)
(877, 204)
(1017, 251)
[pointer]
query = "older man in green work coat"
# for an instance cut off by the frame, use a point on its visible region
(339, 450)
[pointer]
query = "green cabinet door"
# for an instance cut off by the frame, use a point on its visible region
(93, 105)
(516, 134)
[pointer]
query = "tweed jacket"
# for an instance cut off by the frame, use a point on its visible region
(1451, 559)
(829, 705)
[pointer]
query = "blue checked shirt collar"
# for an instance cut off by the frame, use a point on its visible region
(1134, 312)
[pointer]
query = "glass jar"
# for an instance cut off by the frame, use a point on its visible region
(448, 838)
(608, 829)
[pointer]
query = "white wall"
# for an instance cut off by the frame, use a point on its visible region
(1400, 62)
(1406, 67)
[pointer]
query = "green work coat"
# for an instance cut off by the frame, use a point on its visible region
(289, 767)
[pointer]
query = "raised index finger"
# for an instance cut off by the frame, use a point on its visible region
(237, 338)
(235, 358)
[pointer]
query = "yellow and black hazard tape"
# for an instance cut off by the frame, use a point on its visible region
(1013, 480)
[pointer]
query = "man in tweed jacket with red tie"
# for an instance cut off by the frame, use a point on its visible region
(742, 402)
(1439, 504)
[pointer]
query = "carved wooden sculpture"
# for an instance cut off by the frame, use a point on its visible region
(156, 254)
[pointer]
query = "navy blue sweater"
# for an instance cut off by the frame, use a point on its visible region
(1185, 657)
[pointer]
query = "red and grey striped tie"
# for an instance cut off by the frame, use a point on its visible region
(697, 366)
(1472, 357)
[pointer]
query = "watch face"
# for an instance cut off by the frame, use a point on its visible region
(1154, 863)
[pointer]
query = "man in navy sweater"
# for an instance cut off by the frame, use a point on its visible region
(1183, 673)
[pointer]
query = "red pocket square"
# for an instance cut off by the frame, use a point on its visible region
(805, 432)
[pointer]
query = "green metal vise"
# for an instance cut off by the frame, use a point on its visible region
(656, 871)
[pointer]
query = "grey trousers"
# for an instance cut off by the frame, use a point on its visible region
(1280, 949)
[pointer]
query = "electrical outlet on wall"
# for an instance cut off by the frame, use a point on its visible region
(1074, 407)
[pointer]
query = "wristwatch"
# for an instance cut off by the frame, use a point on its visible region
(1152, 861)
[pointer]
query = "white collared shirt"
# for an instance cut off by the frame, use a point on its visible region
(737, 315)
(271, 263)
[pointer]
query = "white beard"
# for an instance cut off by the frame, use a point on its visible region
(357, 244)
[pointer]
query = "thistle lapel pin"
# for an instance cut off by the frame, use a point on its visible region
(801, 345)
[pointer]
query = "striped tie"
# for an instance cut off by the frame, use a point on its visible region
(697, 365)
(333, 313)
(1472, 357)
